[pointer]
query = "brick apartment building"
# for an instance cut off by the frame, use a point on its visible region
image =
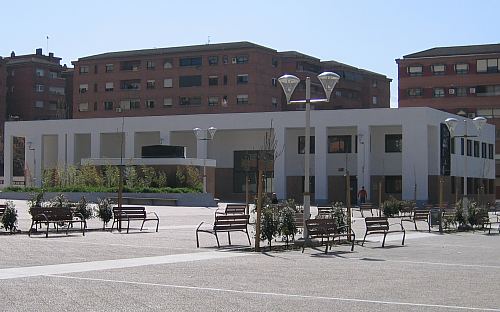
(217, 78)
(463, 80)
(3, 105)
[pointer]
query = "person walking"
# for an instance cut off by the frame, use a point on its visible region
(362, 195)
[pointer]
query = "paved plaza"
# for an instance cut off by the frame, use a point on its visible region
(164, 271)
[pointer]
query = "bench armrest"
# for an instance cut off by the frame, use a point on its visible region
(220, 211)
(44, 216)
(201, 223)
(153, 213)
(79, 215)
(400, 224)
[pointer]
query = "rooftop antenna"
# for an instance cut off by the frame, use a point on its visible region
(208, 41)
(47, 44)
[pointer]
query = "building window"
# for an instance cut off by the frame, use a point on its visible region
(40, 72)
(224, 101)
(190, 81)
(242, 99)
(484, 150)
(374, 83)
(167, 102)
(84, 69)
(167, 83)
(130, 104)
(438, 69)
(462, 146)
(393, 184)
(83, 107)
(109, 68)
(134, 84)
(213, 100)
(38, 104)
(487, 66)
(109, 87)
(302, 144)
(438, 92)
(95, 87)
(190, 61)
(393, 143)
(490, 151)
(224, 79)
(150, 84)
(246, 166)
(242, 79)
(213, 60)
(374, 100)
(452, 145)
(240, 59)
(340, 144)
(274, 101)
(130, 65)
(57, 90)
(274, 82)
(108, 105)
(469, 148)
(190, 101)
(167, 64)
(476, 149)
(415, 70)
(461, 91)
(225, 59)
(150, 65)
(312, 184)
(52, 105)
(150, 104)
(39, 88)
(274, 62)
(53, 75)
(213, 80)
(415, 92)
(492, 90)
(462, 68)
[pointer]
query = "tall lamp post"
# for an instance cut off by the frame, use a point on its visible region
(204, 135)
(289, 83)
(452, 123)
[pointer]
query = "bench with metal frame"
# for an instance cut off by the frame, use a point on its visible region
(326, 229)
(57, 216)
(380, 225)
(127, 213)
(364, 207)
(419, 215)
(232, 209)
(150, 201)
(226, 223)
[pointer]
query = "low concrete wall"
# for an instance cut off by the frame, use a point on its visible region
(183, 199)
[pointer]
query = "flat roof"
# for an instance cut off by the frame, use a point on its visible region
(457, 50)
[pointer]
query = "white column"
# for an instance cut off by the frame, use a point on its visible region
(95, 145)
(7, 167)
(415, 162)
(363, 161)
(165, 137)
(129, 144)
(71, 149)
(38, 161)
(62, 150)
(320, 168)
(280, 164)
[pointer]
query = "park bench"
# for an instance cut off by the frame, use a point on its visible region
(364, 207)
(2, 209)
(485, 222)
(324, 211)
(232, 209)
(380, 225)
(326, 229)
(419, 215)
(127, 213)
(150, 201)
(57, 216)
(225, 223)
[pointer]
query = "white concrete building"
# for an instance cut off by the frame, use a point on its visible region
(401, 147)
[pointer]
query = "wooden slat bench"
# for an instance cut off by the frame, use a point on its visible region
(419, 215)
(150, 201)
(324, 211)
(127, 213)
(364, 207)
(326, 229)
(380, 225)
(232, 209)
(56, 216)
(2, 209)
(226, 223)
(486, 222)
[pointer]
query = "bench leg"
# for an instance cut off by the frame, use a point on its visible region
(383, 241)
(47, 232)
(229, 238)
(31, 227)
(364, 238)
(429, 223)
(84, 226)
(142, 224)
(128, 225)
(415, 225)
(112, 226)
(197, 240)
(217, 238)
(353, 240)
(248, 236)
(157, 225)
(404, 235)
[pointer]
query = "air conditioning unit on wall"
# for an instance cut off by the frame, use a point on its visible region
(471, 115)
(451, 91)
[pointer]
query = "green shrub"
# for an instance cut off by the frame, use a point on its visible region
(269, 224)
(287, 226)
(84, 209)
(59, 201)
(104, 211)
(391, 207)
(9, 218)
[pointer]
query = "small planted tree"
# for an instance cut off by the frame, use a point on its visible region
(9, 218)
(269, 224)
(84, 209)
(391, 207)
(339, 216)
(104, 211)
(59, 201)
(287, 226)
(36, 199)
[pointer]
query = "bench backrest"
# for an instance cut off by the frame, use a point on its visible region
(325, 210)
(317, 228)
(366, 206)
(231, 222)
(299, 219)
(421, 214)
(376, 224)
(2, 208)
(235, 209)
(129, 212)
(52, 213)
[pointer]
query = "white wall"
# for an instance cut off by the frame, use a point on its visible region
(49, 151)
(145, 139)
(111, 144)
(383, 163)
(225, 142)
(82, 147)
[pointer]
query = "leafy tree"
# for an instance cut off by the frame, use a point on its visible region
(9, 217)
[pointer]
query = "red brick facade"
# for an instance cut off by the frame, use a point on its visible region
(233, 77)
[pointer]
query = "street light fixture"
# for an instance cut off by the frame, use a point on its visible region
(289, 83)
(452, 123)
(204, 135)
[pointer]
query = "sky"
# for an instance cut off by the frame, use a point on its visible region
(364, 34)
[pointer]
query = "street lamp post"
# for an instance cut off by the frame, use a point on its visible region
(204, 135)
(452, 123)
(289, 83)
